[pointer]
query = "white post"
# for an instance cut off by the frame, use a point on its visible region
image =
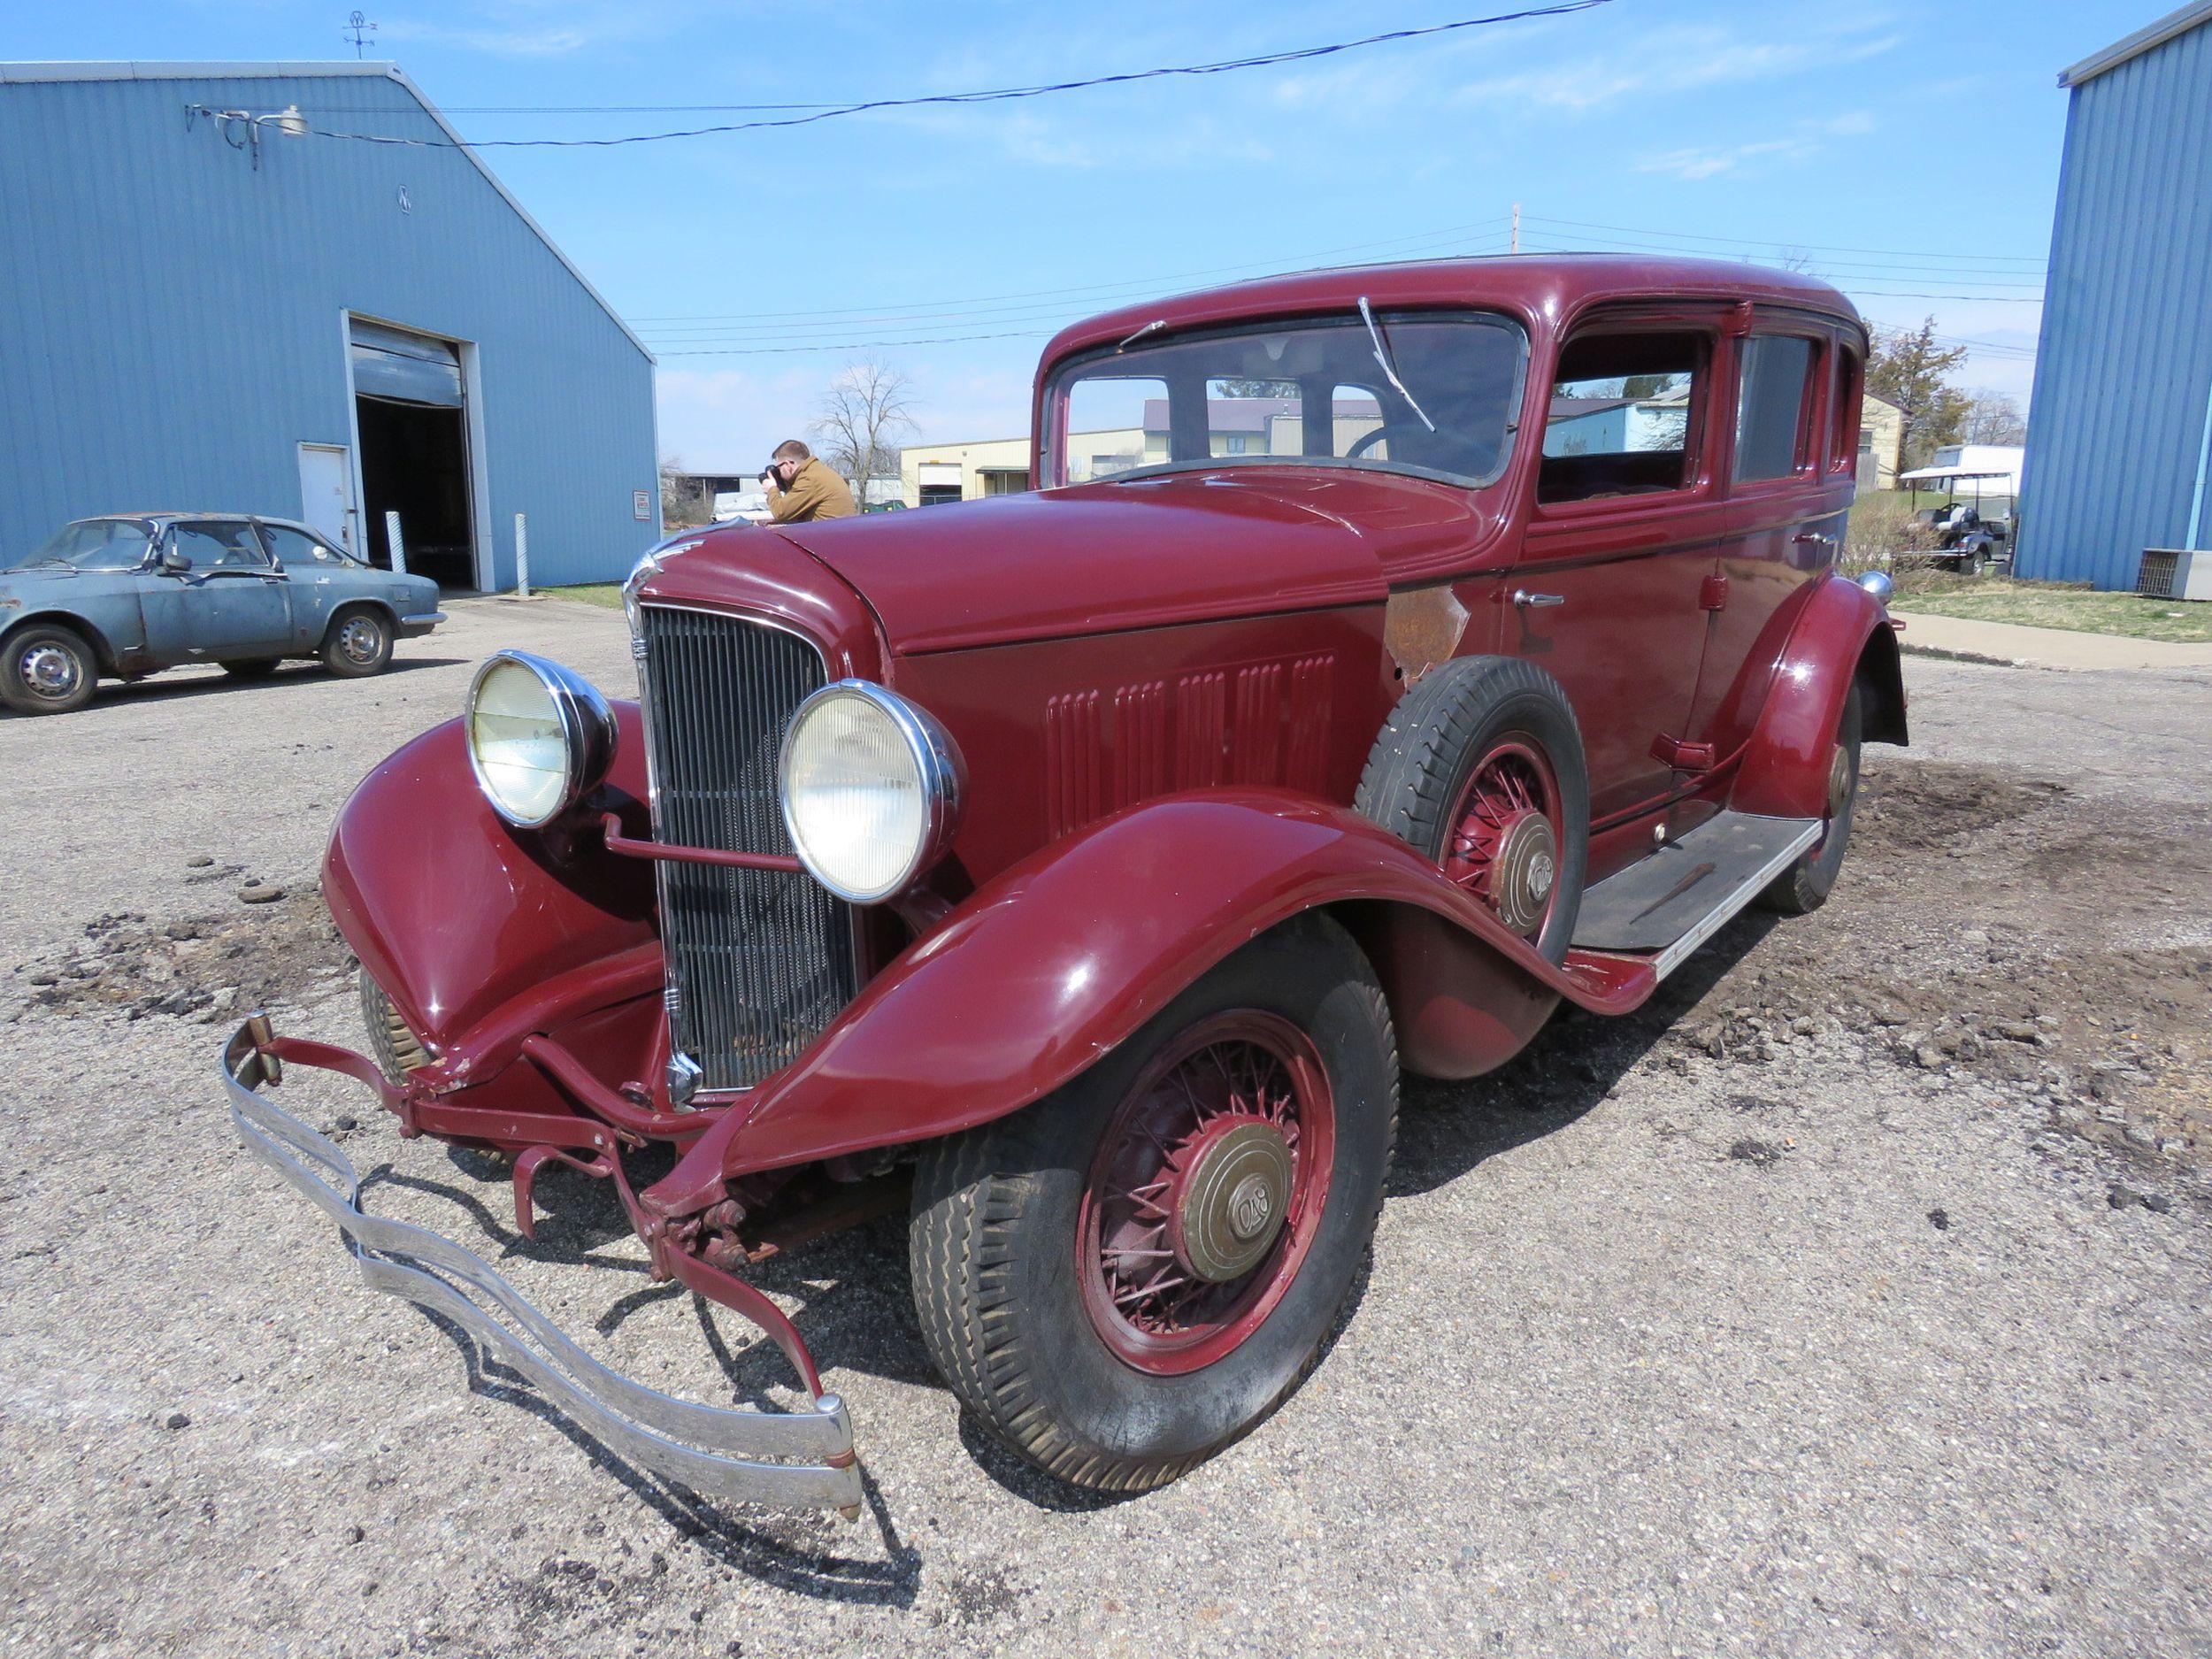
(522, 556)
(392, 540)
(2204, 465)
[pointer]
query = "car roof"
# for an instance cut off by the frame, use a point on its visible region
(1537, 286)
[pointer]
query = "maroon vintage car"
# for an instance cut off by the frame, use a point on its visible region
(1387, 657)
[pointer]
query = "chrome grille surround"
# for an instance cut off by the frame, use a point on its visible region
(758, 961)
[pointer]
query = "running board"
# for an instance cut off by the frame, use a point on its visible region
(1670, 903)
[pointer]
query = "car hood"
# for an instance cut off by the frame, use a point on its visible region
(1144, 552)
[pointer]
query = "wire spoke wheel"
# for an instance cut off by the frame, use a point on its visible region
(1504, 842)
(1202, 1199)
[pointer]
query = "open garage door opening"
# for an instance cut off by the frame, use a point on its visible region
(411, 409)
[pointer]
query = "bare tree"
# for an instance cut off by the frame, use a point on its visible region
(683, 503)
(1993, 418)
(867, 408)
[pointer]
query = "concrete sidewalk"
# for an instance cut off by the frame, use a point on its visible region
(2012, 645)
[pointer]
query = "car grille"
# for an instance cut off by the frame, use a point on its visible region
(758, 961)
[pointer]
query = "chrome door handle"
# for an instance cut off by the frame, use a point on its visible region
(1813, 538)
(1528, 601)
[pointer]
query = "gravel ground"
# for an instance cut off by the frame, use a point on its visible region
(1851, 1300)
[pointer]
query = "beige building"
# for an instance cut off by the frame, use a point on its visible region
(1881, 438)
(932, 474)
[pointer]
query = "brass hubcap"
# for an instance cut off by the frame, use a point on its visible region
(1521, 880)
(1839, 781)
(1232, 1191)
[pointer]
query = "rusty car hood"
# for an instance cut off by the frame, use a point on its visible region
(1144, 552)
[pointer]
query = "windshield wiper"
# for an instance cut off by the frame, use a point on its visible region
(1382, 355)
(1158, 322)
(32, 565)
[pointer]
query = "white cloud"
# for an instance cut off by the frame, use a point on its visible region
(1663, 64)
(1802, 143)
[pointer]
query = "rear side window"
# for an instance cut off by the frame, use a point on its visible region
(1771, 406)
(1622, 410)
(1846, 438)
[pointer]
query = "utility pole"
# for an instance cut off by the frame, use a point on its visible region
(1514, 244)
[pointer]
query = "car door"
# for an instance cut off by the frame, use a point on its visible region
(231, 603)
(1608, 596)
(1789, 494)
(318, 577)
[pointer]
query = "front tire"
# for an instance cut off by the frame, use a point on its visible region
(359, 644)
(47, 669)
(1128, 1275)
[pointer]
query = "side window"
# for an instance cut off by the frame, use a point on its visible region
(294, 549)
(1624, 410)
(1115, 425)
(1845, 439)
(221, 546)
(1771, 407)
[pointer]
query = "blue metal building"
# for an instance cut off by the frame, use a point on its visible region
(2123, 404)
(210, 302)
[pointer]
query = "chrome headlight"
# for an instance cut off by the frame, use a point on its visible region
(871, 789)
(540, 737)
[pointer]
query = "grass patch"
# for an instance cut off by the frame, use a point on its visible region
(2052, 605)
(605, 595)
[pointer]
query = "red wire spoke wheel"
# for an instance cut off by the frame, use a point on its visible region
(1127, 1276)
(1202, 1201)
(1504, 840)
(1480, 767)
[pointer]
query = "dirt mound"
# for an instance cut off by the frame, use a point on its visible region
(254, 955)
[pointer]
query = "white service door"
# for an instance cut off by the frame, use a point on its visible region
(326, 492)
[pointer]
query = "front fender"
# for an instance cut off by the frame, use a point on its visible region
(1843, 634)
(455, 913)
(1066, 954)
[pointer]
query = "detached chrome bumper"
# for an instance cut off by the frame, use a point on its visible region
(799, 1460)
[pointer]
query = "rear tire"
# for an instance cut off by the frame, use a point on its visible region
(1467, 757)
(47, 669)
(1030, 1254)
(358, 645)
(1804, 886)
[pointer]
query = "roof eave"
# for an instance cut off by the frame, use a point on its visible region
(2149, 37)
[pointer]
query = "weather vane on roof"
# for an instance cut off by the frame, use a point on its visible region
(359, 29)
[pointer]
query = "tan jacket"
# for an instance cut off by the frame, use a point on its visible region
(816, 492)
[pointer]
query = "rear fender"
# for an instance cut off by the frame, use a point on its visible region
(1063, 956)
(1844, 635)
(456, 914)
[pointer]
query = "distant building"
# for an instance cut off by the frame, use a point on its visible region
(206, 303)
(1881, 443)
(2120, 427)
(1986, 474)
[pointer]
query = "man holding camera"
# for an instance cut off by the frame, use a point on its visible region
(800, 487)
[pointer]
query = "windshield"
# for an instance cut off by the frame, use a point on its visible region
(1438, 398)
(93, 544)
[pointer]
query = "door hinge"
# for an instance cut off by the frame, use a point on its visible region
(1672, 751)
(1712, 593)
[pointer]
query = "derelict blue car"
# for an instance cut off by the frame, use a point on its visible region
(128, 594)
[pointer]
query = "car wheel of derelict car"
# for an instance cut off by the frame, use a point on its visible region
(1127, 1275)
(358, 645)
(251, 668)
(47, 669)
(1480, 767)
(397, 1049)
(1805, 886)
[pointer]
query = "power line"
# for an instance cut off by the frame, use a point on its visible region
(1048, 300)
(850, 345)
(1810, 247)
(998, 94)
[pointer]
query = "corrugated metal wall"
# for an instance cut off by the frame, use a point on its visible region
(171, 319)
(2126, 356)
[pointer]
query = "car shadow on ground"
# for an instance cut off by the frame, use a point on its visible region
(162, 687)
(856, 1308)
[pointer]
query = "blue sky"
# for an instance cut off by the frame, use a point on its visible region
(1904, 152)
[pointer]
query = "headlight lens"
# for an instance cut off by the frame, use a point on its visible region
(871, 789)
(538, 735)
